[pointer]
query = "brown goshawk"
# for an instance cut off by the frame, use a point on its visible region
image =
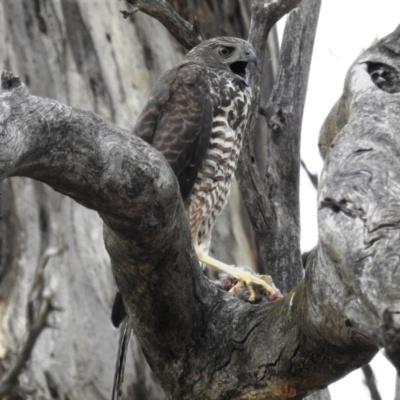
(195, 117)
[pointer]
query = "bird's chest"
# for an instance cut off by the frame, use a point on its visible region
(230, 117)
(214, 179)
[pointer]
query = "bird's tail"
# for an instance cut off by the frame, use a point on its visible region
(125, 335)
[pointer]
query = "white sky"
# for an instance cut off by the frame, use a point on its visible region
(345, 28)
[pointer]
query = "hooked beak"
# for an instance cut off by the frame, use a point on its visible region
(251, 57)
(239, 67)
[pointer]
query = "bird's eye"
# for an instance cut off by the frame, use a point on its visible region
(224, 51)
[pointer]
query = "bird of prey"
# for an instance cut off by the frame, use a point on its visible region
(195, 117)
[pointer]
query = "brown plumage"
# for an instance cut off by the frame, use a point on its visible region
(177, 121)
(195, 117)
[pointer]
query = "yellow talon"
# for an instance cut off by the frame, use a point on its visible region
(243, 277)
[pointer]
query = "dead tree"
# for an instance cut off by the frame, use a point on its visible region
(199, 341)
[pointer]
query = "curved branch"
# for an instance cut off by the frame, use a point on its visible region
(284, 263)
(359, 190)
(199, 340)
(186, 34)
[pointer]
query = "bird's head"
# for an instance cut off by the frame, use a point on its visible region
(229, 53)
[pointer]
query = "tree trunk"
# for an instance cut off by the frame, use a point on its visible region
(200, 341)
(85, 55)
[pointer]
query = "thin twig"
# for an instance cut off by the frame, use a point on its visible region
(313, 177)
(127, 14)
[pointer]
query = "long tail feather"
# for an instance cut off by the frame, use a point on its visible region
(125, 335)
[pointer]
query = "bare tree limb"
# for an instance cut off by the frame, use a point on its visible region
(370, 382)
(276, 223)
(358, 196)
(186, 34)
(264, 16)
(199, 340)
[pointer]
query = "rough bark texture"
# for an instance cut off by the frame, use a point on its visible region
(201, 342)
(358, 196)
(272, 197)
(85, 55)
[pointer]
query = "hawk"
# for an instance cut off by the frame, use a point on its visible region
(196, 116)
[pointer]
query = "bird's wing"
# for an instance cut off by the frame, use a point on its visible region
(177, 121)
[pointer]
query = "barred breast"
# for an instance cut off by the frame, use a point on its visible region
(213, 182)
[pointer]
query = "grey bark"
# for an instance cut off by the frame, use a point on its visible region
(213, 345)
(370, 382)
(86, 55)
(272, 197)
(320, 395)
(363, 158)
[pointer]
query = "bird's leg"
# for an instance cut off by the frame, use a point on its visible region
(242, 276)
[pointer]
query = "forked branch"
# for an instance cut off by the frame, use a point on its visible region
(199, 340)
(272, 196)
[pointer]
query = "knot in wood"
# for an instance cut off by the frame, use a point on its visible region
(9, 81)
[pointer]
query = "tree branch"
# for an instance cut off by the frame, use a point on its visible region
(273, 202)
(197, 339)
(201, 341)
(264, 17)
(186, 34)
(359, 195)
(370, 382)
